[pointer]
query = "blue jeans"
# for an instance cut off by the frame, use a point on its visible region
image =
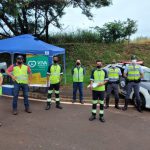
(76, 86)
(25, 90)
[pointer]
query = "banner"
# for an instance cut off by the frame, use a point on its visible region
(39, 66)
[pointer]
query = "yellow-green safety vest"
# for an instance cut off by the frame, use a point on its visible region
(78, 74)
(55, 71)
(133, 72)
(21, 74)
(113, 74)
(99, 76)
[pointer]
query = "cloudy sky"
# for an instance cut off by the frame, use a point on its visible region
(120, 10)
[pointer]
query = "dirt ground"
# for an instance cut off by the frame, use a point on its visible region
(70, 129)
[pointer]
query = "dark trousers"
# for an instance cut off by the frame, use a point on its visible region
(98, 96)
(25, 90)
(136, 87)
(54, 87)
(112, 87)
(76, 86)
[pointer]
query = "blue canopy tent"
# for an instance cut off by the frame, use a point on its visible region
(28, 44)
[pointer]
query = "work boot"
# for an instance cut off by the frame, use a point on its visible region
(48, 107)
(139, 109)
(28, 110)
(15, 112)
(126, 105)
(81, 102)
(106, 106)
(59, 107)
(102, 119)
(117, 107)
(124, 108)
(92, 118)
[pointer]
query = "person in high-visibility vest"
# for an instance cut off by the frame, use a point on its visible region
(114, 74)
(133, 74)
(54, 78)
(78, 73)
(1, 82)
(21, 75)
(98, 77)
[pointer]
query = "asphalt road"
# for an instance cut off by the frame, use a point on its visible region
(70, 129)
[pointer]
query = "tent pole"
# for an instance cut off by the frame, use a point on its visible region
(12, 59)
(64, 58)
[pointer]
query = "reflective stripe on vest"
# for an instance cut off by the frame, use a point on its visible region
(99, 76)
(21, 74)
(55, 74)
(133, 72)
(113, 74)
(78, 74)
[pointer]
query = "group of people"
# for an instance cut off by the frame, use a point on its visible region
(21, 76)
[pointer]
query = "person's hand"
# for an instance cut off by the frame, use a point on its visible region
(91, 86)
(100, 84)
(14, 78)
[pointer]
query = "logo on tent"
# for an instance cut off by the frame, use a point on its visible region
(32, 63)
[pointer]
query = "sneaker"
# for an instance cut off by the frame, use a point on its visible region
(102, 119)
(28, 110)
(92, 118)
(15, 112)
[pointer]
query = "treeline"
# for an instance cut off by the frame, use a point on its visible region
(112, 32)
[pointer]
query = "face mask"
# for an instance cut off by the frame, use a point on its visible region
(134, 61)
(55, 61)
(19, 62)
(99, 67)
(77, 63)
(113, 65)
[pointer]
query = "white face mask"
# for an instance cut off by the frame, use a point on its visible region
(113, 65)
(134, 61)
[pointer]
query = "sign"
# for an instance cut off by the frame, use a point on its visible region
(39, 65)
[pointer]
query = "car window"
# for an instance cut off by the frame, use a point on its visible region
(147, 76)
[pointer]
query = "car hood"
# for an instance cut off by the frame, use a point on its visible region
(145, 85)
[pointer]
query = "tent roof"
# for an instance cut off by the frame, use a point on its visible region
(28, 44)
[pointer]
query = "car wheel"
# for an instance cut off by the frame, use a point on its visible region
(143, 102)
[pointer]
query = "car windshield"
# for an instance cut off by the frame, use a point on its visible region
(147, 76)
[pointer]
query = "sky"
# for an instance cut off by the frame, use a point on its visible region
(120, 10)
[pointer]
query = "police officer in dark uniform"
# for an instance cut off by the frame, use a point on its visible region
(113, 80)
(133, 74)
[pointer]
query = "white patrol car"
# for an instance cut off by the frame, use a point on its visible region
(144, 85)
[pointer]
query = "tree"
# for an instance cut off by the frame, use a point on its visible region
(117, 31)
(36, 16)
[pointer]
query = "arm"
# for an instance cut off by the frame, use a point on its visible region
(1, 80)
(141, 72)
(30, 75)
(92, 79)
(125, 72)
(9, 72)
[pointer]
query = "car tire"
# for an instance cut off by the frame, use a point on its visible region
(143, 102)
